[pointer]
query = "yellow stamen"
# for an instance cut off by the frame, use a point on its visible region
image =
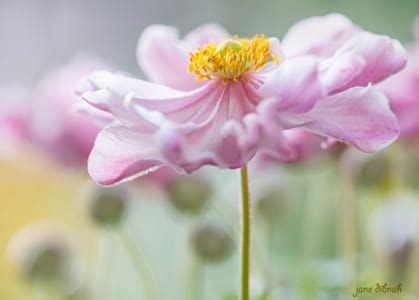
(231, 59)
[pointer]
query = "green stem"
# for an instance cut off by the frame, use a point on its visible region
(142, 270)
(245, 235)
(195, 281)
(348, 218)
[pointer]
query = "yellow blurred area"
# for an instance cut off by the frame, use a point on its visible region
(31, 192)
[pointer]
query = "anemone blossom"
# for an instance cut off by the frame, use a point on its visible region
(219, 100)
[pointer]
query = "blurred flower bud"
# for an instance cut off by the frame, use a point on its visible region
(107, 206)
(189, 194)
(42, 253)
(394, 228)
(376, 172)
(270, 204)
(212, 241)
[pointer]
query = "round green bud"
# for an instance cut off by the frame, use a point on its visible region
(271, 204)
(47, 262)
(41, 252)
(212, 242)
(189, 194)
(230, 43)
(107, 206)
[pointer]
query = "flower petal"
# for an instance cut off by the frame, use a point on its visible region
(164, 59)
(318, 35)
(358, 116)
(222, 132)
(402, 90)
(121, 154)
(15, 127)
(204, 34)
(119, 95)
(366, 58)
(294, 84)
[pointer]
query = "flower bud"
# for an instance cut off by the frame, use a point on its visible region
(189, 194)
(42, 253)
(270, 204)
(107, 206)
(212, 242)
(394, 229)
(230, 43)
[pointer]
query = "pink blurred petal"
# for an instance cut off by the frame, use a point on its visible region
(204, 34)
(319, 36)
(14, 119)
(63, 134)
(403, 93)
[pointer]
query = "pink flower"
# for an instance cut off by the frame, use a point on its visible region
(251, 90)
(403, 92)
(14, 116)
(65, 135)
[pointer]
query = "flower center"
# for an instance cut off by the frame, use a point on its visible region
(232, 58)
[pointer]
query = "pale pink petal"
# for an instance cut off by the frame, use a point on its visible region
(121, 153)
(307, 144)
(273, 145)
(102, 118)
(58, 130)
(359, 116)
(164, 59)
(318, 35)
(118, 94)
(15, 110)
(366, 58)
(204, 34)
(294, 84)
(276, 48)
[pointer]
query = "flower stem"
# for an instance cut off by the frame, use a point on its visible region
(348, 216)
(245, 235)
(142, 270)
(195, 282)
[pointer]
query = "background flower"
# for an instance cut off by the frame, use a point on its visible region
(65, 135)
(15, 111)
(403, 93)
